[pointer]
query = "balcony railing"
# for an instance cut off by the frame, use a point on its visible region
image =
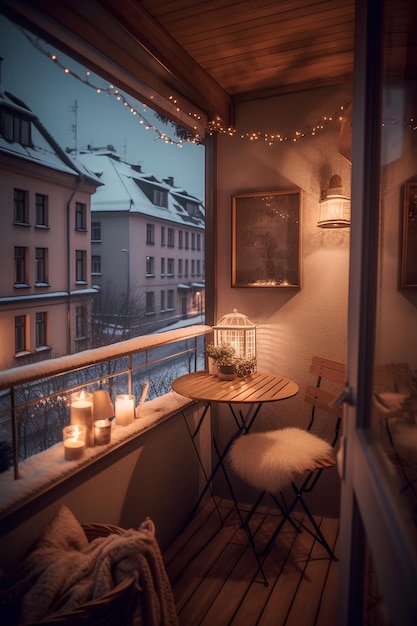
(35, 398)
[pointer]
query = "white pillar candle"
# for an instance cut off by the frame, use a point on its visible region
(82, 413)
(125, 409)
(74, 442)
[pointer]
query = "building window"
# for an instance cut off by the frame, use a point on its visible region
(186, 268)
(162, 235)
(198, 267)
(162, 266)
(192, 267)
(150, 266)
(41, 210)
(80, 322)
(41, 318)
(170, 296)
(187, 245)
(179, 267)
(170, 267)
(80, 216)
(171, 237)
(192, 209)
(150, 234)
(150, 302)
(80, 266)
(41, 266)
(21, 206)
(20, 333)
(95, 231)
(20, 265)
(162, 300)
(192, 241)
(160, 198)
(15, 128)
(198, 241)
(180, 243)
(96, 264)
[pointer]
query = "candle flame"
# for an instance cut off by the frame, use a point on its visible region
(77, 432)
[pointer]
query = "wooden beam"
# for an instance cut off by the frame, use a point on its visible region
(139, 24)
(123, 43)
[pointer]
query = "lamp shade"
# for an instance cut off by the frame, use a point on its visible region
(237, 330)
(334, 207)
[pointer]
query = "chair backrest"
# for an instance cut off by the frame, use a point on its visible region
(330, 379)
(330, 370)
(394, 377)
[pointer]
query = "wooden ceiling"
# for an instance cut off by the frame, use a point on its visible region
(255, 48)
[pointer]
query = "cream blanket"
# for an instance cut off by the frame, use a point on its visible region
(64, 571)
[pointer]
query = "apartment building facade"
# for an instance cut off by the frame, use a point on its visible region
(147, 241)
(45, 283)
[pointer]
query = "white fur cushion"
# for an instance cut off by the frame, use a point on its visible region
(270, 460)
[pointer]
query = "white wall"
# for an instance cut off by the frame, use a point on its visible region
(292, 324)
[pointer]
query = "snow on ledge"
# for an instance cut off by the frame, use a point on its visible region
(44, 470)
(59, 365)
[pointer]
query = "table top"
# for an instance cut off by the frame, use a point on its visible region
(258, 387)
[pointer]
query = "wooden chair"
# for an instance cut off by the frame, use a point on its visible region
(292, 457)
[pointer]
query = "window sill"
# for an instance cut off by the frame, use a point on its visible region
(18, 355)
(43, 348)
(49, 468)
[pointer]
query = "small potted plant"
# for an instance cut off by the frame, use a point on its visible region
(226, 367)
(216, 352)
(245, 366)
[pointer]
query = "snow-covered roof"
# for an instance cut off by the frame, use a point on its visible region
(43, 150)
(124, 188)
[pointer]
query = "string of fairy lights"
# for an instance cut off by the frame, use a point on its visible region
(213, 126)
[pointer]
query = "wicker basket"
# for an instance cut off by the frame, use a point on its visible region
(113, 609)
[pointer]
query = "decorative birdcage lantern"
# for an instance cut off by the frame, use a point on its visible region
(237, 330)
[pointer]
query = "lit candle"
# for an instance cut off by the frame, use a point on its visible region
(102, 432)
(125, 409)
(82, 413)
(74, 442)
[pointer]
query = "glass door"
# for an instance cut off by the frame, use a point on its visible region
(378, 561)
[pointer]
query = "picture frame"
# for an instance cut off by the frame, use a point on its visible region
(266, 239)
(409, 240)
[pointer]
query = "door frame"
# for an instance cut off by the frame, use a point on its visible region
(369, 513)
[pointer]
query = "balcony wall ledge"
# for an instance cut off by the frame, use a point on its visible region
(48, 469)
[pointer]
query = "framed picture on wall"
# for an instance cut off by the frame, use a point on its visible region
(409, 243)
(266, 239)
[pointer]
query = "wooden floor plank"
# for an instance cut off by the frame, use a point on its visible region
(306, 604)
(216, 582)
(328, 608)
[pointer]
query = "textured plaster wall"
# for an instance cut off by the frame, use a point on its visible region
(292, 324)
